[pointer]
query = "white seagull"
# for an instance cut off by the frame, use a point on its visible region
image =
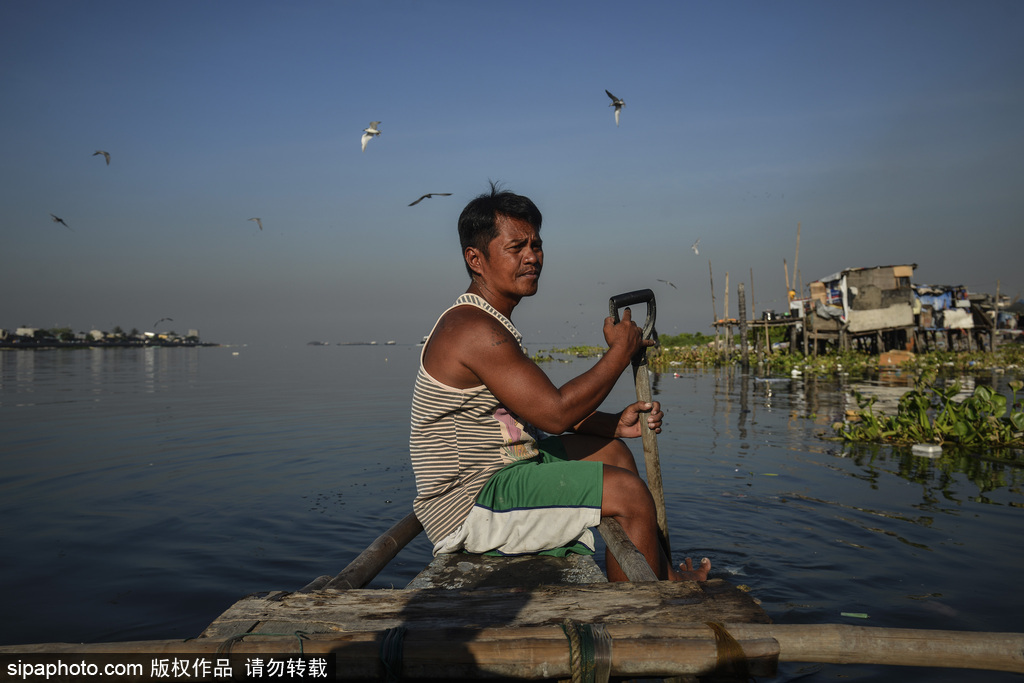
(58, 219)
(106, 155)
(668, 283)
(618, 104)
(370, 133)
(694, 246)
(258, 222)
(431, 194)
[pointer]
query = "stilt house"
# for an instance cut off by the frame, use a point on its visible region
(869, 307)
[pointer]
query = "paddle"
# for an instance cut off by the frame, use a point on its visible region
(643, 393)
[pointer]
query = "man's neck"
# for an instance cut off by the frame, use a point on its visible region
(503, 304)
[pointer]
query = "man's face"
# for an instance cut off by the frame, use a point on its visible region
(514, 258)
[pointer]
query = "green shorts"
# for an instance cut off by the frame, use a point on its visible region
(543, 505)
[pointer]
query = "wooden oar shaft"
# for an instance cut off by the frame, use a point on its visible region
(652, 460)
(637, 649)
(630, 559)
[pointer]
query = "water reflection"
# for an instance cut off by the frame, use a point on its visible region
(61, 375)
(810, 405)
(820, 402)
(888, 387)
(939, 478)
(17, 371)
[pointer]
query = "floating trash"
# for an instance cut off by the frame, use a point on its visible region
(855, 615)
(928, 450)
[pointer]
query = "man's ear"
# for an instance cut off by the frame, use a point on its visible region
(473, 258)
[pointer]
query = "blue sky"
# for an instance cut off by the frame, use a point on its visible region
(892, 132)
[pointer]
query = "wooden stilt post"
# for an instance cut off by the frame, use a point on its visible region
(742, 300)
(995, 323)
(725, 317)
(714, 310)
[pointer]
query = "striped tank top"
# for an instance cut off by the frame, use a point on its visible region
(459, 438)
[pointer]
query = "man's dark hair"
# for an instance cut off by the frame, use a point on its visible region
(478, 221)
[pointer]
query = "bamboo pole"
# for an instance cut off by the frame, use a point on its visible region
(753, 302)
(742, 301)
(796, 262)
(714, 311)
(725, 317)
(994, 340)
(371, 561)
(637, 649)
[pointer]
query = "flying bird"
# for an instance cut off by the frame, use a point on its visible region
(258, 222)
(694, 246)
(370, 133)
(668, 283)
(57, 219)
(161, 320)
(618, 104)
(106, 155)
(429, 195)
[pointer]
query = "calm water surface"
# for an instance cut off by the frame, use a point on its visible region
(145, 490)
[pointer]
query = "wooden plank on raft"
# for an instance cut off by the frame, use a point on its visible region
(328, 611)
(462, 570)
(459, 570)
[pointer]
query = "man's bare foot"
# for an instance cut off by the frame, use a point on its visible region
(688, 573)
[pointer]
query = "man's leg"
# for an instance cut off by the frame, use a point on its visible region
(626, 498)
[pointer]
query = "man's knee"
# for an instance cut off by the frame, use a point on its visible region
(621, 455)
(626, 494)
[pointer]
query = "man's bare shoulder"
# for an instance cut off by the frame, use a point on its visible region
(464, 336)
(469, 325)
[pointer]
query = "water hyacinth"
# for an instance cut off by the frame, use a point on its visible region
(930, 414)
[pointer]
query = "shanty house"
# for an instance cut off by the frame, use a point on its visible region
(864, 304)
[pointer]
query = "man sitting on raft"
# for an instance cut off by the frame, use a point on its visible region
(487, 479)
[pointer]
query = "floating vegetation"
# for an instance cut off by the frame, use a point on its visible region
(1007, 358)
(544, 356)
(698, 351)
(930, 414)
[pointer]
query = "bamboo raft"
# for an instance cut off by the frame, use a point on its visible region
(470, 617)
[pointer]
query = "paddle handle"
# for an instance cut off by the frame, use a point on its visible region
(640, 296)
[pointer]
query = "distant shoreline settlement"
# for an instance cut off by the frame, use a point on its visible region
(63, 337)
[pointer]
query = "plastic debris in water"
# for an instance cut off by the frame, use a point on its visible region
(928, 450)
(855, 615)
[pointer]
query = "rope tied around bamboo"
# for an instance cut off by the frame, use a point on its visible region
(590, 651)
(391, 653)
(225, 647)
(731, 657)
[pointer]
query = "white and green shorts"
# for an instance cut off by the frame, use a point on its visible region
(543, 505)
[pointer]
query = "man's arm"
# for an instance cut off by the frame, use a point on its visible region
(473, 348)
(622, 425)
